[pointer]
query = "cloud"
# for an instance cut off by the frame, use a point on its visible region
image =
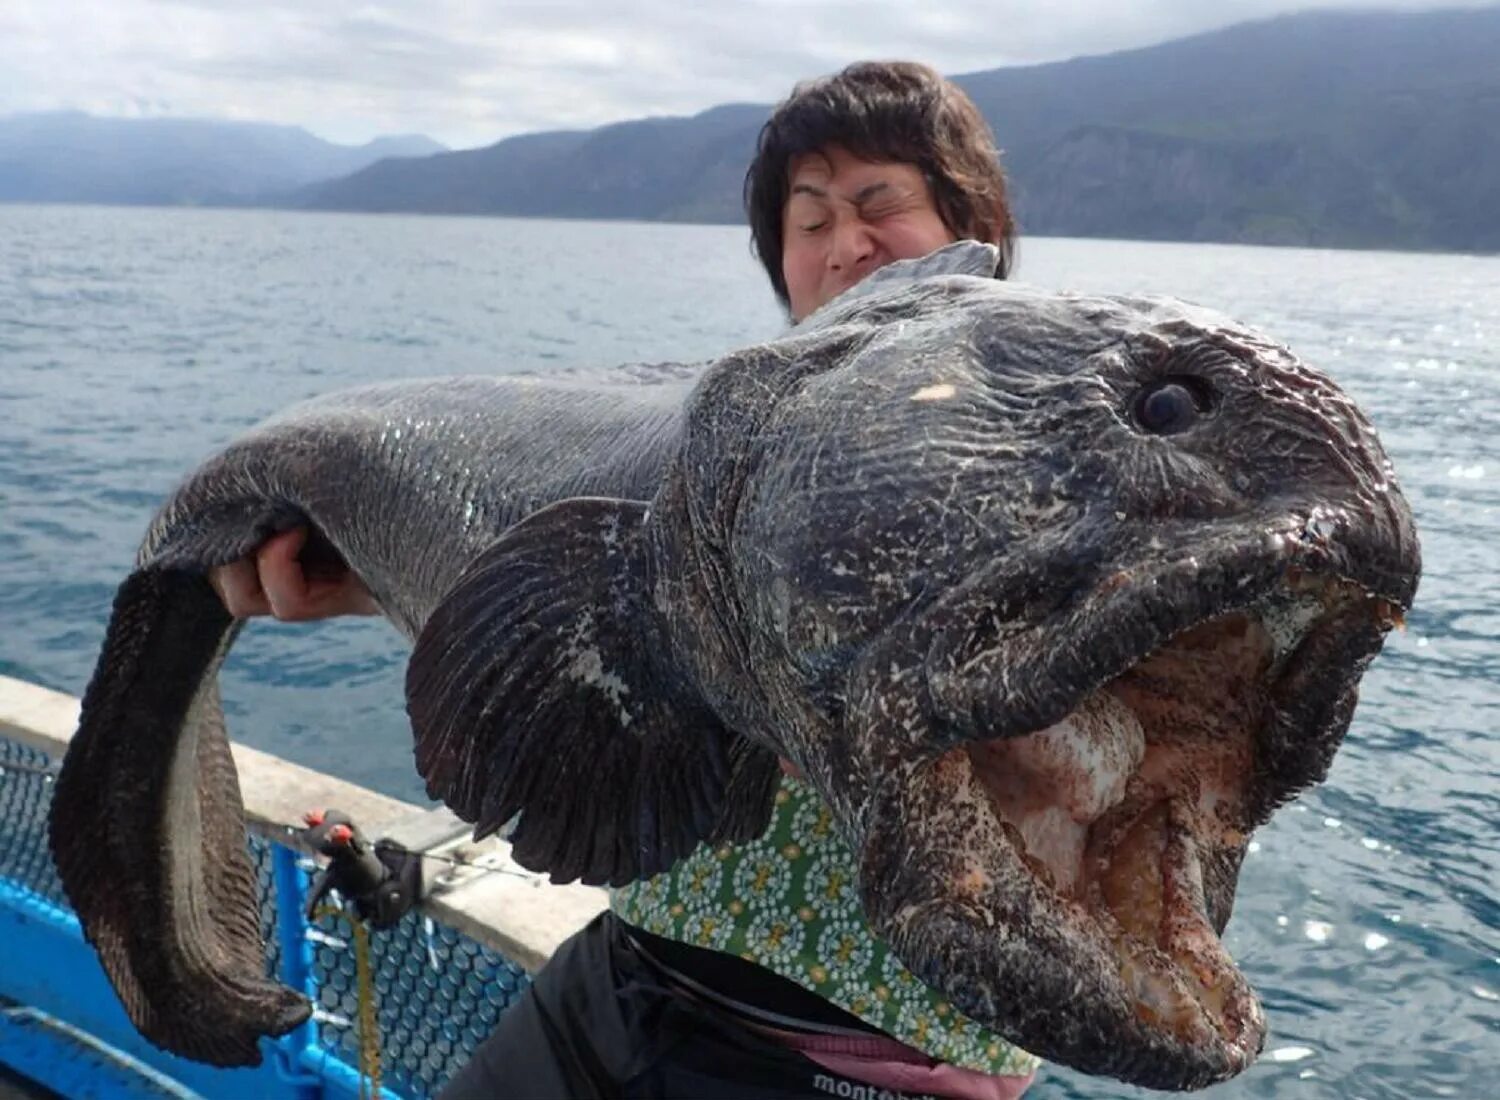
(469, 74)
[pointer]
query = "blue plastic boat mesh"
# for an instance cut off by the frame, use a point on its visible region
(25, 795)
(438, 992)
(261, 854)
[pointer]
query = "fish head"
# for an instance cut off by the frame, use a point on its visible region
(1054, 599)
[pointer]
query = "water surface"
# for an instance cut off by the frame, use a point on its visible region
(134, 342)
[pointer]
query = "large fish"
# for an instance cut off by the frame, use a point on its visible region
(1054, 599)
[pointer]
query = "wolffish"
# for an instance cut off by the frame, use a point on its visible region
(1054, 598)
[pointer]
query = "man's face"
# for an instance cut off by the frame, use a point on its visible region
(846, 217)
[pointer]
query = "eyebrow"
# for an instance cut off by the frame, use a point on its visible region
(862, 196)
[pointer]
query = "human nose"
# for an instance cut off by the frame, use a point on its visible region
(853, 244)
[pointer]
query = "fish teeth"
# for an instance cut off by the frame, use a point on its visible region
(1287, 615)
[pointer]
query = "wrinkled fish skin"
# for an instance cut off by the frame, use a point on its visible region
(407, 483)
(413, 479)
(898, 545)
(987, 535)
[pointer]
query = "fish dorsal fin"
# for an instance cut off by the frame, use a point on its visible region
(959, 258)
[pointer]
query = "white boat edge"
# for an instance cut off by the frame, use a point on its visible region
(495, 901)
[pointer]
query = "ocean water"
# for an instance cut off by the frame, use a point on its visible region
(134, 342)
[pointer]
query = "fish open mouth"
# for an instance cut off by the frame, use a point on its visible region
(1069, 885)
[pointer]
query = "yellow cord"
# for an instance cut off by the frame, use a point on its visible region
(369, 1031)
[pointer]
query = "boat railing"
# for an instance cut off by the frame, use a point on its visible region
(435, 983)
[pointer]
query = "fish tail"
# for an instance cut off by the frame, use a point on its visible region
(147, 829)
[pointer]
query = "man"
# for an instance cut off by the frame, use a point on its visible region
(885, 161)
(881, 162)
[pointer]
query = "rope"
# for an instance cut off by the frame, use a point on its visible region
(369, 1030)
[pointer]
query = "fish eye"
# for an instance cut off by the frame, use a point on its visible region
(1172, 405)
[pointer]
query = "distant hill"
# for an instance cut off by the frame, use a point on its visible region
(1363, 129)
(74, 157)
(659, 169)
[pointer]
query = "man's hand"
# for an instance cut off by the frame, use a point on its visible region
(274, 582)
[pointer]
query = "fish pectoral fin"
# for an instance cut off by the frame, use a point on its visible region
(749, 793)
(541, 686)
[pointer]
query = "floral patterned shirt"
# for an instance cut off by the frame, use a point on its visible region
(788, 902)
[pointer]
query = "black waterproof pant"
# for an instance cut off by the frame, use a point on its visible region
(600, 1020)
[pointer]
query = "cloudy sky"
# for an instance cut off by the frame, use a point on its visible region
(469, 72)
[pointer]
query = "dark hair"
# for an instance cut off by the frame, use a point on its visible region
(896, 111)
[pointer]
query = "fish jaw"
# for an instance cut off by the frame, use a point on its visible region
(1122, 974)
(1065, 882)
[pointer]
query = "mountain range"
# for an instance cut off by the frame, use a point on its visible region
(1359, 129)
(68, 156)
(1352, 129)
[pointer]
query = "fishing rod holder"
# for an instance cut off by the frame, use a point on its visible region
(383, 879)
